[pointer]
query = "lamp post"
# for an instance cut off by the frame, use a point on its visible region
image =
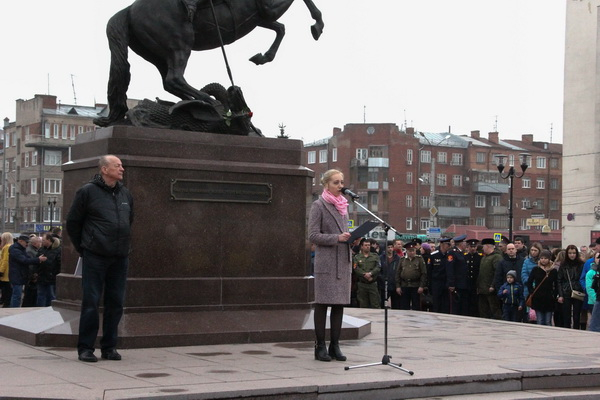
(52, 205)
(511, 174)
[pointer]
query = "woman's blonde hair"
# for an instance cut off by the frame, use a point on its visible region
(328, 174)
(5, 239)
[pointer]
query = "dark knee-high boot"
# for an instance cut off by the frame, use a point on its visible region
(337, 315)
(320, 319)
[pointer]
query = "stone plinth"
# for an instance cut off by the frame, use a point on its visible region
(219, 249)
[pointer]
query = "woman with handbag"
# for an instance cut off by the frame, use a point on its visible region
(570, 292)
(542, 285)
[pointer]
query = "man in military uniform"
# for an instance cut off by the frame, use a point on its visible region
(473, 260)
(411, 278)
(366, 267)
(489, 305)
(440, 272)
(460, 296)
(389, 265)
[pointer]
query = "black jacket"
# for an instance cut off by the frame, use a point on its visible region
(46, 271)
(507, 264)
(100, 219)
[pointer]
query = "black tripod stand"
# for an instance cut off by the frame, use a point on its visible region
(386, 357)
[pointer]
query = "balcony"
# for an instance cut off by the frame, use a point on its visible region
(490, 187)
(49, 143)
(454, 211)
(498, 210)
(372, 185)
(358, 163)
(378, 162)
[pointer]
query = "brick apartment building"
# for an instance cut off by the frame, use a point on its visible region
(416, 180)
(36, 144)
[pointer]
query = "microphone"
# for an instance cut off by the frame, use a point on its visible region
(350, 193)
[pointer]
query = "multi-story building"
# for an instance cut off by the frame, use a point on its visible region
(415, 180)
(36, 144)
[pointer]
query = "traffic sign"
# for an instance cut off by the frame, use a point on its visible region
(434, 232)
(497, 237)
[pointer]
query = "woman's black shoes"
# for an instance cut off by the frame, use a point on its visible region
(321, 352)
(335, 352)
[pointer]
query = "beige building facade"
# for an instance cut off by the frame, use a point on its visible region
(581, 124)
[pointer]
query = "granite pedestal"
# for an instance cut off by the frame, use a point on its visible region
(219, 251)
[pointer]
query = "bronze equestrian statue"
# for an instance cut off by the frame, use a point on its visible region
(164, 33)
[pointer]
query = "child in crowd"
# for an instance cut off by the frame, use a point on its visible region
(511, 294)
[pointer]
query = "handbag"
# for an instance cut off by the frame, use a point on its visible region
(575, 294)
(529, 300)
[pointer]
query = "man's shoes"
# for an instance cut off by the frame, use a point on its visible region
(87, 356)
(111, 355)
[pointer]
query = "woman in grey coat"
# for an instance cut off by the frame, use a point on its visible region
(328, 230)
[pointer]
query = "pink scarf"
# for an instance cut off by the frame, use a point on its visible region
(340, 202)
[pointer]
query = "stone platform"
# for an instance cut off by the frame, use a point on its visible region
(452, 357)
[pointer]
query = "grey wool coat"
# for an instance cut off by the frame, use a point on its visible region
(333, 266)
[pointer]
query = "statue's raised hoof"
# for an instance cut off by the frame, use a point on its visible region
(317, 30)
(259, 59)
(102, 121)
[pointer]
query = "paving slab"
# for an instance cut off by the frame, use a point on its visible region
(452, 357)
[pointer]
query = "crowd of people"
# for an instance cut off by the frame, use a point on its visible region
(29, 265)
(504, 280)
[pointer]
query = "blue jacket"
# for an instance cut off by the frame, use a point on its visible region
(18, 264)
(528, 265)
(514, 297)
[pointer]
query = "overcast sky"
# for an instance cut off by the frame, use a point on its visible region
(464, 64)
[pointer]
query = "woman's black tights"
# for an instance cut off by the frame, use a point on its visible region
(335, 321)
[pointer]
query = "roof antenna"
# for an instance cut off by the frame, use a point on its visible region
(551, 130)
(496, 124)
(73, 84)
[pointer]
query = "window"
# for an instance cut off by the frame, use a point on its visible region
(441, 179)
(322, 156)
(540, 183)
(409, 224)
(14, 139)
(480, 221)
(409, 156)
(33, 185)
(495, 200)
(312, 157)
(27, 134)
(480, 158)
(79, 130)
(377, 151)
(479, 201)
(554, 183)
(26, 160)
(47, 130)
(6, 140)
(457, 180)
(525, 204)
(55, 131)
(457, 159)
(362, 154)
(554, 204)
(373, 174)
(409, 201)
(425, 156)
(554, 224)
(425, 178)
(424, 202)
(34, 158)
(540, 162)
(25, 215)
(52, 186)
(554, 163)
(424, 224)
(52, 157)
(539, 204)
(13, 190)
(33, 214)
(64, 131)
(409, 178)
(442, 157)
(72, 132)
(526, 183)
(511, 160)
(334, 154)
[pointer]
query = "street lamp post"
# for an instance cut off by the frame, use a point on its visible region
(52, 205)
(511, 174)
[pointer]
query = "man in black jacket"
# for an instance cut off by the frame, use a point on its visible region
(99, 225)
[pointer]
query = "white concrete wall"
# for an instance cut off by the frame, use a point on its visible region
(581, 125)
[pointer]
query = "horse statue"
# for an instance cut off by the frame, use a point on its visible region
(164, 32)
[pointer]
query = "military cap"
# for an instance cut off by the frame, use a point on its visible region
(488, 241)
(445, 240)
(460, 238)
(473, 242)
(23, 237)
(410, 245)
(418, 241)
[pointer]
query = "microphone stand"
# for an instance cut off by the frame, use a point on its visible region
(386, 357)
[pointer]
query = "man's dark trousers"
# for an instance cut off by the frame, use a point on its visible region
(110, 274)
